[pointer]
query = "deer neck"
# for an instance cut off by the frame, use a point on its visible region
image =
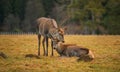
(60, 47)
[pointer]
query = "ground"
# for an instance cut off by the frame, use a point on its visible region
(21, 52)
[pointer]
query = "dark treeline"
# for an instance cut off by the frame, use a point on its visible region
(79, 16)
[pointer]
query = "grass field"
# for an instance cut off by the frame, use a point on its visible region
(105, 48)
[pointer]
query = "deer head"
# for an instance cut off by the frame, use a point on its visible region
(57, 34)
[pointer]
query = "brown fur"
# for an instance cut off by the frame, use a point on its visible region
(74, 50)
(48, 28)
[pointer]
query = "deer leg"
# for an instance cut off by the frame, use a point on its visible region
(39, 39)
(52, 48)
(46, 46)
(43, 44)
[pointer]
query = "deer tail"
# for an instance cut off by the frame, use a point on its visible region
(37, 26)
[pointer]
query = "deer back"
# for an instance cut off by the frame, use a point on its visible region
(48, 27)
(45, 24)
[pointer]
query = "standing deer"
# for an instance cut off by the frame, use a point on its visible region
(48, 28)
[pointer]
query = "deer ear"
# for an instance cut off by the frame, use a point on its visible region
(58, 29)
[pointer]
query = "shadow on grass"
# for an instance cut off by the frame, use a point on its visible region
(3, 55)
(32, 56)
(85, 59)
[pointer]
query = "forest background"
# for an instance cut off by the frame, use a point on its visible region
(79, 16)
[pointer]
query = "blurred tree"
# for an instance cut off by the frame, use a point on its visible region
(10, 9)
(34, 9)
(111, 18)
(48, 5)
(88, 13)
(18, 9)
(4, 10)
(90, 16)
(12, 22)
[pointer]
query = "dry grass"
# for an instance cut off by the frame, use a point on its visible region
(22, 56)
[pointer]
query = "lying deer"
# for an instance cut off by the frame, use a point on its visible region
(70, 50)
(48, 28)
